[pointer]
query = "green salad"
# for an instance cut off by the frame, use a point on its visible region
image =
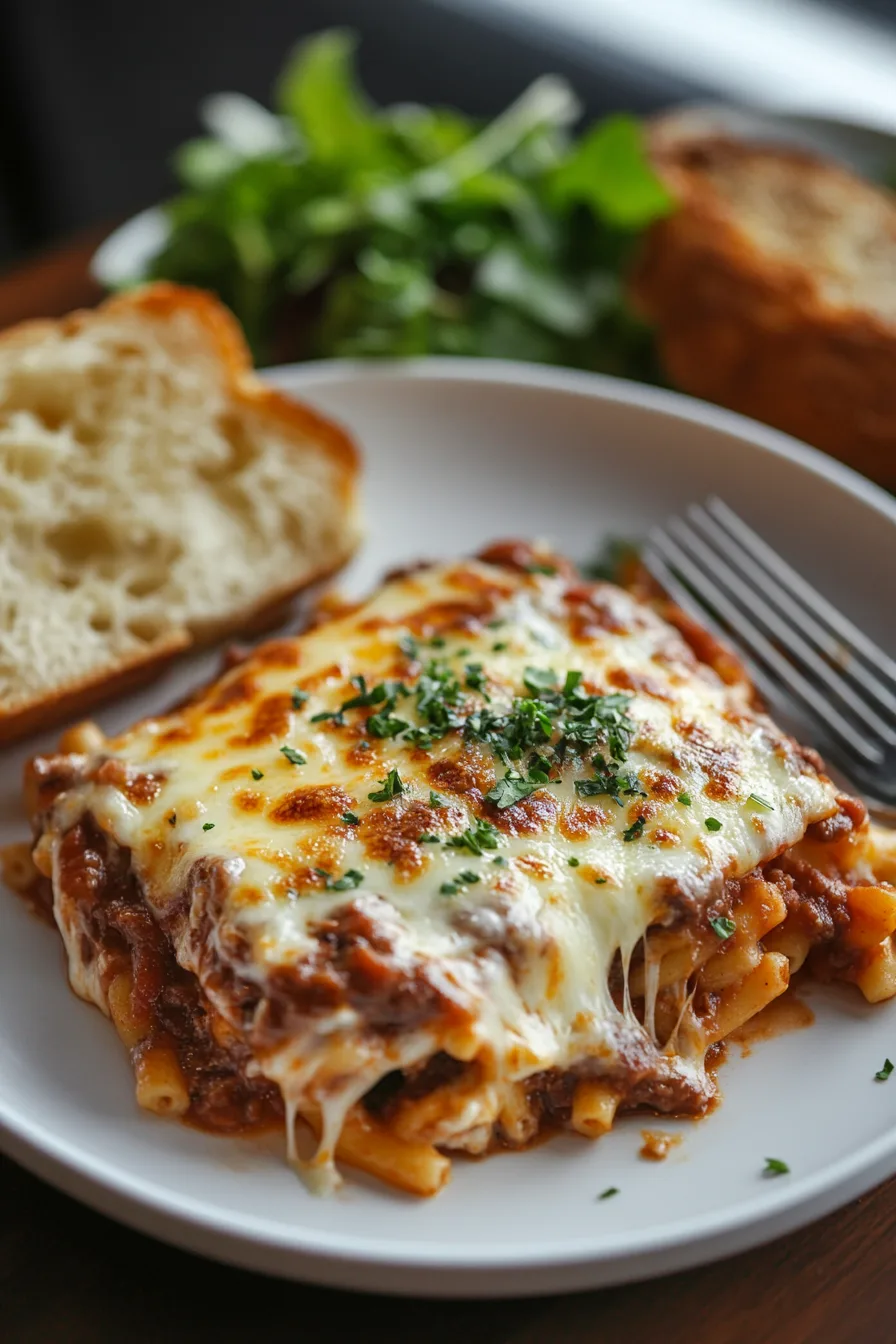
(335, 228)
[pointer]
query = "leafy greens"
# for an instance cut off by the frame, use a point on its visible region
(336, 228)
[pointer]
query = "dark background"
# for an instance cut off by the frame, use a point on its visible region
(95, 94)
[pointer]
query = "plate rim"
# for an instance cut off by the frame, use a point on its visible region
(340, 1258)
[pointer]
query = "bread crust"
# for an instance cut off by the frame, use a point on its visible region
(249, 395)
(753, 331)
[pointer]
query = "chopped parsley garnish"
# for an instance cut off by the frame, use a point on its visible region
(427, 838)
(438, 642)
(775, 1167)
(257, 774)
(600, 881)
(208, 825)
(497, 624)
(349, 880)
(573, 862)
(299, 698)
(500, 646)
(409, 646)
(466, 878)
(712, 824)
(685, 798)
(537, 567)
(607, 781)
(384, 725)
(436, 799)
(514, 787)
(635, 831)
(754, 798)
(327, 715)
(476, 679)
(538, 679)
(294, 757)
(610, 1191)
(390, 787)
(365, 698)
(477, 838)
(722, 926)
(350, 819)
(499, 861)
(172, 820)
(883, 1074)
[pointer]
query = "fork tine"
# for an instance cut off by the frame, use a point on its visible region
(853, 743)
(780, 630)
(685, 599)
(800, 617)
(844, 630)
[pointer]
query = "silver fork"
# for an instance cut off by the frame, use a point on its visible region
(795, 643)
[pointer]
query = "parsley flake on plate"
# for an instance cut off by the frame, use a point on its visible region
(883, 1073)
(775, 1167)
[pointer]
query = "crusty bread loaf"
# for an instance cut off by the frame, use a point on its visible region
(153, 494)
(773, 290)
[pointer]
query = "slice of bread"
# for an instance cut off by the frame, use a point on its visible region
(773, 290)
(153, 494)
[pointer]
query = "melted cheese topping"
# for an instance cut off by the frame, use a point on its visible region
(520, 938)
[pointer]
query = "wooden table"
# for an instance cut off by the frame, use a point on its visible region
(70, 1276)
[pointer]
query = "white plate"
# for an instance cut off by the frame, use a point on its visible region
(457, 454)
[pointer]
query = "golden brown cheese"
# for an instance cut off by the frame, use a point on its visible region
(380, 895)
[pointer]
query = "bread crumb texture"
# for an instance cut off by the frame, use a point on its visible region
(144, 492)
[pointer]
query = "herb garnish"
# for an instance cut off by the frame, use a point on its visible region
(428, 838)
(172, 820)
(775, 1167)
(477, 838)
(350, 879)
(635, 831)
(257, 774)
(384, 725)
(538, 568)
(299, 698)
(476, 679)
(607, 781)
(463, 879)
(436, 799)
(610, 1191)
(685, 798)
(514, 787)
(350, 819)
(754, 798)
(712, 824)
(722, 926)
(409, 646)
(208, 825)
(294, 757)
(573, 862)
(390, 787)
(883, 1074)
